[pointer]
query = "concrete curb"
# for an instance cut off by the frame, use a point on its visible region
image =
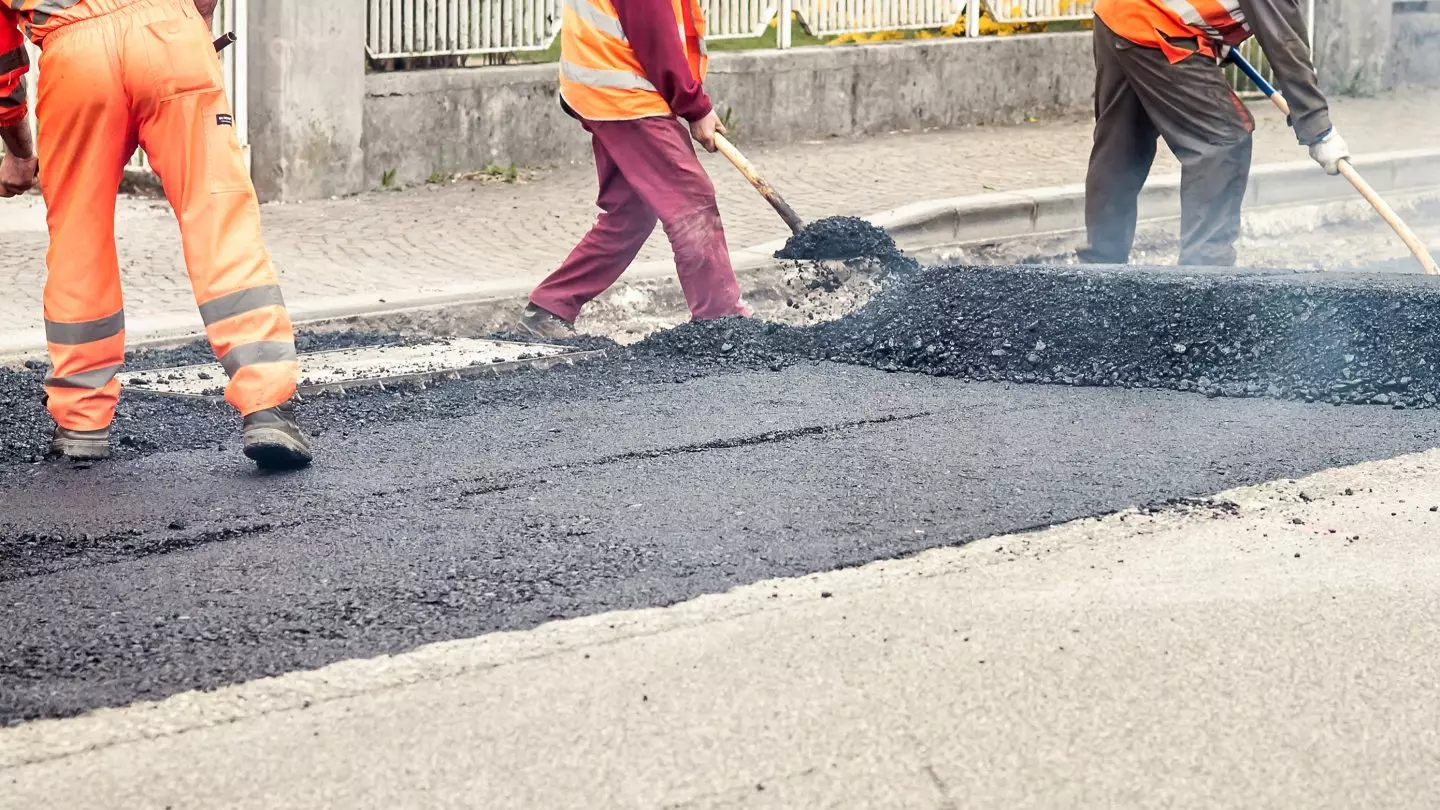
(1048, 211)
(917, 228)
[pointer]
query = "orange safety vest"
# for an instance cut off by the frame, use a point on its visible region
(601, 78)
(1155, 22)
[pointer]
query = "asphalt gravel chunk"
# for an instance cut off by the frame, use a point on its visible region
(187, 569)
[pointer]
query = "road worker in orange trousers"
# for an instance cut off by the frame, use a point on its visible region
(1158, 76)
(631, 71)
(114, 75)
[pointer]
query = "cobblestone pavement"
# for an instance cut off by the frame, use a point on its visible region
(424, 241)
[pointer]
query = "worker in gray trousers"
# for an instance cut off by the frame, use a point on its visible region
(1158, 76)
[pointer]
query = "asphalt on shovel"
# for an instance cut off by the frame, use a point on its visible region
(843, 238)
(1427, 262)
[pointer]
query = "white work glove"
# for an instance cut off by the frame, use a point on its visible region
(1329, 151)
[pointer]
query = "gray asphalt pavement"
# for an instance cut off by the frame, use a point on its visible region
(177, 569)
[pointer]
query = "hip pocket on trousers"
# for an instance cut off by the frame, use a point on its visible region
(182, 58)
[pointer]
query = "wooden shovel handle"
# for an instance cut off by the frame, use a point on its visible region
(1388, 214)
(723, 145)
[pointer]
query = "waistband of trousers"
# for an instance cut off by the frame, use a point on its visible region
(108, 12)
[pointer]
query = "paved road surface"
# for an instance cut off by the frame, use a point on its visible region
(1277, 652)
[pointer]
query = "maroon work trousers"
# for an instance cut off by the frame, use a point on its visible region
(648, 171)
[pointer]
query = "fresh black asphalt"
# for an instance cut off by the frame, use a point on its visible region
(500, 504)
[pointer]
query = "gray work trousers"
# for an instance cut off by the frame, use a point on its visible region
(1140, 97)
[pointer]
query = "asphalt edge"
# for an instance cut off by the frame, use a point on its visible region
(922, 229)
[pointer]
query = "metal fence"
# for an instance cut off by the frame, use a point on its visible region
(230, 15)
(739, 19)
(1025, 11)
(411, 28)
(401, 29)
(833, 17)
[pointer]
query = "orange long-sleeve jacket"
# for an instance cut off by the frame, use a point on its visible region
(14, 64)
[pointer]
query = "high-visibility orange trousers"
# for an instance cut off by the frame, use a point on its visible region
(145, 73)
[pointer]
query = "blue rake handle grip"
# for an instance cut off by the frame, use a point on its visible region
(1251, 73)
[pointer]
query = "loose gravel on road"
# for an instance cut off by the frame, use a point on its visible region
(1337, 338)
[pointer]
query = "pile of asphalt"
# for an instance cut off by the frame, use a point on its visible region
(1352, 339)
(842, 239)
(1336, 338)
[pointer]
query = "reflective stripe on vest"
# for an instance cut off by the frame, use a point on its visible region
(600, 77)
(1218, 20)
(1169, 24)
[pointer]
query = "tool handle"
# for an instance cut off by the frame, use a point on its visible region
(723, 145)
(1254, 75)
(225, 41)
(1417, 248)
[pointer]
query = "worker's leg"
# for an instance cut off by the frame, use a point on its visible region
(85, 138)
(1120, 161)
(187, 130)
(659, 163)
(1209, 129)
(606, 251)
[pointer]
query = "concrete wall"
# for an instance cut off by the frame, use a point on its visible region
(1415, 49)
(307, 77)
(419, 123)
(1352, 45)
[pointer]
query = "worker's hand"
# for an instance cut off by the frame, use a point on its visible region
(18, 175)
(1329, 151)
(704, 130)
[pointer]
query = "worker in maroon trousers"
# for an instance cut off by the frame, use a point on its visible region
(631, 71)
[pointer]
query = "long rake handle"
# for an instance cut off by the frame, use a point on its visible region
(726, 148)
(1422, 255)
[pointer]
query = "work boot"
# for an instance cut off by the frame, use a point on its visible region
(542, 324)
(81, 445)
(274, 440)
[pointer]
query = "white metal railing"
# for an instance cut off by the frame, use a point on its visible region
(409, 28)
(436, 28)
(230, 15)
(739, 19)
(1026, 11)
(830, 17)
